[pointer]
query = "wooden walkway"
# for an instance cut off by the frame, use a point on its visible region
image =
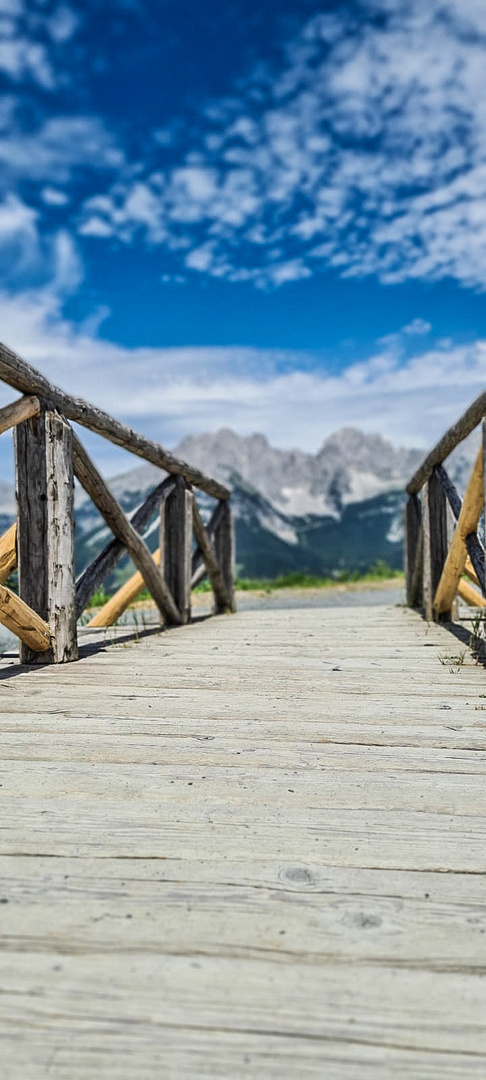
(254, 848)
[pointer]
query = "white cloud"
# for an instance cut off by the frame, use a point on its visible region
(366, 151)
(172, 392)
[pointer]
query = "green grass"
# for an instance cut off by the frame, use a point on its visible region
(297, 579)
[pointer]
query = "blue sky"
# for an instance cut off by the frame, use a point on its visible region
(265, 215)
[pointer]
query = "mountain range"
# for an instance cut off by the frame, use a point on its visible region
(337, 510)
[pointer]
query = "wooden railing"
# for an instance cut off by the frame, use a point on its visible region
(48, 455)
(441, 531)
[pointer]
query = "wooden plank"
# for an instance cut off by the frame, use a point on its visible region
(222, 601)
(104, 563)
(456, 434)
(8, 552)
(32, 519)
(471, 510)
(254, 839)
(435, 525)
(17, 373)
(224, 550)
(17, 411)
(412, 531)
(60, 540)
(121, 600)
(175, 546)
(69, 909)
(108, 506)
(32, 631)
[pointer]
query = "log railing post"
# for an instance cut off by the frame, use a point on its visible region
(175, 545)
(436, 528)
(412, 529)
(44, 489)
(224, 549)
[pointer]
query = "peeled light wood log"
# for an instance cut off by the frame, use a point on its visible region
(223, 602)
(108, 506)
(17, 373)
(470, 572)
(474, 547)
(471, 509)
(107, 559)
(470, 595)
(459, 431)
(8, 552)
(23, 622)
(126, 595)
(23, 409)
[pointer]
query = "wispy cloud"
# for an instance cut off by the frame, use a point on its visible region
(364, 151)
(171, 392)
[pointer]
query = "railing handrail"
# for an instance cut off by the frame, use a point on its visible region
(441, 529)
(449, 441)
(22, 377)
(48, 456)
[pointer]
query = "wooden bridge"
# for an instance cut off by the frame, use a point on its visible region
(246, 847)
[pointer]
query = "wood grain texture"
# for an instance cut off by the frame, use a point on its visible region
(8, 552)
(60, 540)
(94, 575)
(32, 521)
(175, 546)
(248, 848)
(222, 600)
(117, 521)
(17, 373)
(224, 550)
(412, 540)
(435, 525)
(13, 414)
(31, 630)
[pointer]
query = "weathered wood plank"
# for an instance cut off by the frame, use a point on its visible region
(18, 617)
(108, 506)
(175, 546)
(412, 532)
(17, 373)
(60, 540)
(104, 563)
(223, 602)
(17, 411)
(32, 519)
(256, 837)
(224, 550)
(8, 552)
(435, 524)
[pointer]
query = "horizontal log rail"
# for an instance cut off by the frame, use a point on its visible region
(40, 544)
(442, 545)
(20, 410)
(8, 552)
(23, 622)
(15, 372)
